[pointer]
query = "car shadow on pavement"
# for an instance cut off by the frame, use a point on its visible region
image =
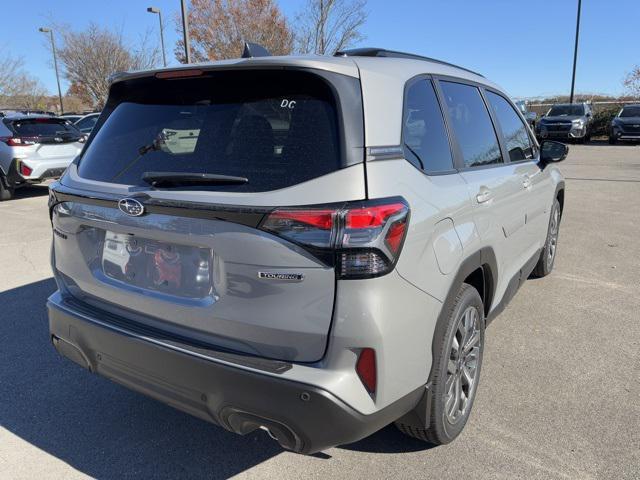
(388, 440)
(105, 430)
(29, 191)
(94, 425)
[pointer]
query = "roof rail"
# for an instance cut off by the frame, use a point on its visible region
(381, 52)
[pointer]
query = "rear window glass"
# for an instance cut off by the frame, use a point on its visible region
(274, 128)
(42, 127)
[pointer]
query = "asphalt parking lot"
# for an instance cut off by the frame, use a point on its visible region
(559, 395)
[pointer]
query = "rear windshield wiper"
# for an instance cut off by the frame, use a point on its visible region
(176, 179)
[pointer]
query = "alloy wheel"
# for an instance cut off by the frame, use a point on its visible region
(553, 237)
(462, 367)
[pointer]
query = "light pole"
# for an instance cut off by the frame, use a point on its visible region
(575, 52)
(55, 63)
(157, 10)
(185, 31)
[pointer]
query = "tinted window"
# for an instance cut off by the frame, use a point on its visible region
(514, 130)
(87, 122)
(630, 112)
(275, 128)
(425, 137)
(564, 110)
(43, 127)
(472, 125)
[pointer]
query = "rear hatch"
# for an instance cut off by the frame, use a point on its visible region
(168, 217)
(50, 137)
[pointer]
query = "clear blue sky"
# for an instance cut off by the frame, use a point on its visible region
(524, 45)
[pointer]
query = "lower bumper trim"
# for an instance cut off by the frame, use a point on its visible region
(301, 417)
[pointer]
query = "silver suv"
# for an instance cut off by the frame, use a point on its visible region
(34, 148)
(312, 246)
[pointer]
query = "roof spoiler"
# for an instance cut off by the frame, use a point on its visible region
(252, 50)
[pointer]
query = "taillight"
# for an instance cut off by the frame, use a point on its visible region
(365, 237)
(366, 369)
(24, 170)
(19, 141)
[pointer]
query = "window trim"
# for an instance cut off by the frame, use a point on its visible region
(534, 143)
(408, 84)
(461, 167)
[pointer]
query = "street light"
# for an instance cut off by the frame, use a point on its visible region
(575, 52)
(157, 10)
(55, 63)
(185, 31)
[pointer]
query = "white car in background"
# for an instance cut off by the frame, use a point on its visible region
(86, 123)
(34, 148)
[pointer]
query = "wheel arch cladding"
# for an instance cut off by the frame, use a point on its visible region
(482, 264)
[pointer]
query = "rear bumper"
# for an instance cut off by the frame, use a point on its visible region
(300, 417)
(42, 169)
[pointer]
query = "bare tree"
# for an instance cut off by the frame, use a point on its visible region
(10, 71)
(632, 81)
(18, 89)
(327, 26)
(91, 56)
(219, 28)
(29, 93)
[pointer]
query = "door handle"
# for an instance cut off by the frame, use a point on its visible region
(484, 195)
(526, 181)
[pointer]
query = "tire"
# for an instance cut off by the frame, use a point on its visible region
(447, 411)
(5, 193)
(548, 255)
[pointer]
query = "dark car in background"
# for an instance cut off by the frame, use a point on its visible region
(625, 125)
(566, 121)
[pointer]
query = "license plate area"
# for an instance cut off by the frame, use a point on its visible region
(172, 269)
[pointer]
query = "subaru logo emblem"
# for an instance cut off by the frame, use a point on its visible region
(131, 206)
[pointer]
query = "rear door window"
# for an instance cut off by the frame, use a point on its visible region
(472, 124)
(514, 130)
(426, 143)
(274, 128)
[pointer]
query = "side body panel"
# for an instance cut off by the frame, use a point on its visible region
(441, 233)
(501, 219)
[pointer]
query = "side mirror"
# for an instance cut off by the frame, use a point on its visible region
(552, 152)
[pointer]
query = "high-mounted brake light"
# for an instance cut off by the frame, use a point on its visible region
(191, 72)
(363, 238)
